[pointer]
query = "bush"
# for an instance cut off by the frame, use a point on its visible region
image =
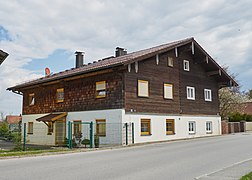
(237, 117)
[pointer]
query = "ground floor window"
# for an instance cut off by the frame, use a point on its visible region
(170, 128)
(101, 127)
(192, 127)
(209, 127)
(30, 127)
(145, 127)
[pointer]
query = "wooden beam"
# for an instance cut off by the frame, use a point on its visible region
(176, 51)
(192, 48)
(212, 73)
(136, 66)
(207, 59)
(129, 67)
(157, 59)
(59, 116)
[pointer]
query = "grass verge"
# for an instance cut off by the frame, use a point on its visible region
(5, 153)
(247, 176)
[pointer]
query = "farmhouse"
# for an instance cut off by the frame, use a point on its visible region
(165, 92)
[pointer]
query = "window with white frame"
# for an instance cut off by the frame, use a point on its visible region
(186, 65)
(209, 127)
(192, 127)
(208, 94)
(168, 91)
(190, 91)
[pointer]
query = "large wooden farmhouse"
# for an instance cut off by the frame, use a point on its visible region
(168, 91)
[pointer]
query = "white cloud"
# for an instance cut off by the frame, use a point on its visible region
(38, 28)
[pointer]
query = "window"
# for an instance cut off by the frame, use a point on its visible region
(168, 91)
(209, 127)
(77, 128)
(170, 61)
(192, 127)
(190, 93)
(101, 89)
(145, 127)
(170, 128)
(60, 95)
(101, 127)
(30, 127)
(208, 94)
(31, 99)
(186, 65)
(50, 128)
(143, 88)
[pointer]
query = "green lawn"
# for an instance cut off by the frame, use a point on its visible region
(247, 176)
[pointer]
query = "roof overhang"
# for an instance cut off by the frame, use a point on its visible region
(3, 56)
(52, 117)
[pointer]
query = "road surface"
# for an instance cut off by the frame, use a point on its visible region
(187, 159)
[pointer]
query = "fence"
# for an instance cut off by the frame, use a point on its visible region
(76, 134)
(233, 127)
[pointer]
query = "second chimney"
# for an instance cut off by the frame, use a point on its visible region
(79, 59)
(120, 52)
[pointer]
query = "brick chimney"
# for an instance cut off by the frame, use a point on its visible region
(79, 59)
(120, 52)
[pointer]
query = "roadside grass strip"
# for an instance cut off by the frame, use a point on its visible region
(247, 176)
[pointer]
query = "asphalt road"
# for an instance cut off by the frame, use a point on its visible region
(170, 160)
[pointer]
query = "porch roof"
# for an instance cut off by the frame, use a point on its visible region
(52, 117)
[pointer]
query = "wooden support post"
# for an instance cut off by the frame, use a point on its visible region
(136, 66)
(176, 51)
(129, 67)
(192, 48)
(157, 59)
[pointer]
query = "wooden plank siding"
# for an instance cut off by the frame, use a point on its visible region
(79, 95)
(159, 74)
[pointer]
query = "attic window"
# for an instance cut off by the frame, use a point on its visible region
(143, 88)
(170, 61)
(60, 95)
(101, 89)
(186, 65)
(31, 99)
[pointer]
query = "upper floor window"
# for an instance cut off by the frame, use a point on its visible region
(143, 88)
(31, 99)
(170, 61)
(208, 94)
(60, 95)
(168, 91)
(101, 89)
(186, 65)
(190, 93)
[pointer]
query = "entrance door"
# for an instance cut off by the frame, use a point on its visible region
(60, 132)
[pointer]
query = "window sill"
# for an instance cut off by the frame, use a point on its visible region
(30, 133)
(146, 134)
(168, 134)
(192, 133)
(209, 132)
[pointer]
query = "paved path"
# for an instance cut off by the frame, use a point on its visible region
(190, 159)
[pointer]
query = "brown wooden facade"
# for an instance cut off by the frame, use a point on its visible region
(121, 88)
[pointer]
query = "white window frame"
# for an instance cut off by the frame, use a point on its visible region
(208, 94)
(168, 91)
(209, 127)
(192, 127)
(186, 65)
(190, 92)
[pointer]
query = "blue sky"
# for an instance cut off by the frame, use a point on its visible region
(39, 34)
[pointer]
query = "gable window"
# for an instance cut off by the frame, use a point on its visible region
(101, 89)
(101, 127)
(168, 91)
(190, 91)
(143, 88)
(30, 128)
(192, 127)
(208, 94)
(77, 128)
(170, 128)
(50, 128)
(60, 95)
(186, 65)
(145, 127)
(170, 61)
(209, 127)
(31, 99)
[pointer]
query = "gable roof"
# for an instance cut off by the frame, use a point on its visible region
(121, 60)
(3, 56)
